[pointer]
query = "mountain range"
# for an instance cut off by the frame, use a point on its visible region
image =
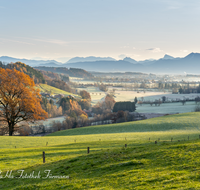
(6, 59)
(90, 59)
(166, 65)
(53, 63)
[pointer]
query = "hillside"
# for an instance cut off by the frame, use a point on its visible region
(162, 166)
(33, 73)
(39, 77)
(105, 66)
(187, 121)
(52, 90)
(72, 72)
(109, 165)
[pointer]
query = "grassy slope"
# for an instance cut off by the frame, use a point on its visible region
(53, 90)
(186, 121)
(143, 165)
(162, 166)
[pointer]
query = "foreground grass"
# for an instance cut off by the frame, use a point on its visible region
(165, 165)
(142, 165)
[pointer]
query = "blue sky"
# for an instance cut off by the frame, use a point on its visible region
(61, 29)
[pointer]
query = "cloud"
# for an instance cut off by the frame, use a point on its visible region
(60, 42)
(124, 47)
(155, 50)
(173, 7)
(16, 41)
(52, 41)
(86, 42)
(127, 46)
(136, 55)
(191, 6)
(184, 51)
(122, 56)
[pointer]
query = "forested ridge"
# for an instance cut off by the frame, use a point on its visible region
(72, 72)
(33, 73)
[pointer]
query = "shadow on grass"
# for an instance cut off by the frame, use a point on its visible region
(102, 164)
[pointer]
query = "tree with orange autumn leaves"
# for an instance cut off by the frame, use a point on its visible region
(70, 105)
(19, 100)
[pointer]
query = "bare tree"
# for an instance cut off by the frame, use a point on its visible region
(183, 102)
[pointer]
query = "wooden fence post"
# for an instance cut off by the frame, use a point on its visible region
(88, 150)
(155, 142)
(43, 157)
(125, 145)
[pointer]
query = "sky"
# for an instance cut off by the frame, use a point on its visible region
(62, 29)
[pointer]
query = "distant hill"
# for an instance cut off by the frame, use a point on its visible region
(119, 73)
(89, 59)
(33, 73)
(29, 62)
(50, 64)
(168, 57)
(189, 64)
(72, 72)
(166, 65)
(130, 60)
(105, 66)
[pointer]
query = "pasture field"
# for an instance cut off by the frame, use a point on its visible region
(81, 80)
(150, 95)
(91, 89)
(52, 90)
(170, 96)
(122, 95)
(185, 121)
(167, 108)
(142, 165)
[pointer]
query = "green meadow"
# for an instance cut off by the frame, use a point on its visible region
(52, 90)
(172, 163)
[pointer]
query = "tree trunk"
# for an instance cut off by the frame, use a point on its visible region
(11, 129)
